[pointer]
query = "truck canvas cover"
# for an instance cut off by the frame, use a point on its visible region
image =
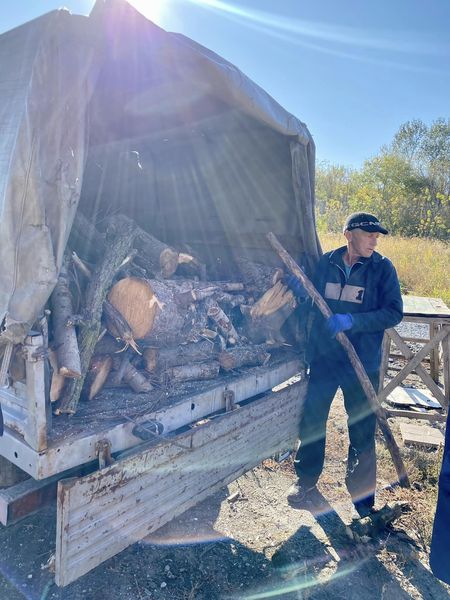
(110, 110)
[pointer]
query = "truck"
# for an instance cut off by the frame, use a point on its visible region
(107, 114)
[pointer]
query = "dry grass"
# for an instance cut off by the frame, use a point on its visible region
(423, 468)
(423, 265)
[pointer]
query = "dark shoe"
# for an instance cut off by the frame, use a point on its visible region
(297, 494)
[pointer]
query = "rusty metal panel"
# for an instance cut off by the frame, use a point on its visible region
(103, 513)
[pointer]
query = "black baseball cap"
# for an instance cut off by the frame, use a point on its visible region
(364, 221)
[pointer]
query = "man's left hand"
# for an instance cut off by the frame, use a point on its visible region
(339, 322)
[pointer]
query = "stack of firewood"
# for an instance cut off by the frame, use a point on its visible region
(130, 310)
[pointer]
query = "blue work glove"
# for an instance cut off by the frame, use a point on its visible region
(296, 286)
(339, 322)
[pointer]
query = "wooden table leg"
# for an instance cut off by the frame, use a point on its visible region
(434, 355)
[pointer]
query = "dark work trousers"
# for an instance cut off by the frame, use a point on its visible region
(440, 541)
(325, 378)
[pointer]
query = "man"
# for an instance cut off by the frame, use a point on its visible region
(362, 290)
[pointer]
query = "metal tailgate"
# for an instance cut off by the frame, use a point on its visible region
(101, 514)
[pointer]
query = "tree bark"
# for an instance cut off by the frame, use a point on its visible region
(157, 311)
(194, 372)
(64, 336)
(224, 324)
(118, 326)
(119, 238)
(137, 381)
(243, 356)
(160, 359)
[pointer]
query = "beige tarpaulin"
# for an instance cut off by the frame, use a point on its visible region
(57, 105)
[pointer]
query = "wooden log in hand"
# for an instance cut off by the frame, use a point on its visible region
(354, 359)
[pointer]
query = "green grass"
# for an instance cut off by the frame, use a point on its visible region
(423, 265)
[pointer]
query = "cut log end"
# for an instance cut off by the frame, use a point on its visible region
(135, 300)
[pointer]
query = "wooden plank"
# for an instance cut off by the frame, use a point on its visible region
(427, 307)
(101, 514)
(434, 355)
(412, 414)
(421, 435)
(407, 396)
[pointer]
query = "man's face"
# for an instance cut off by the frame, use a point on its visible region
(362, 243)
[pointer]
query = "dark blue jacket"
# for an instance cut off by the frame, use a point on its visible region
(440, 546)
(371, 294)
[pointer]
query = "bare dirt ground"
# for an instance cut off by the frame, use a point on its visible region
(246, 542)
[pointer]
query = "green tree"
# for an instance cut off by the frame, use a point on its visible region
(334, 189)
(407, 184)
(427, 150)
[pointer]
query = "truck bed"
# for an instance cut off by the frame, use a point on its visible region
(73, 440)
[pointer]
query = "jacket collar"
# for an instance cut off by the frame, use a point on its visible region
(336, 257)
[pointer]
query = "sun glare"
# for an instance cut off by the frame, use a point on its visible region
(152, 9)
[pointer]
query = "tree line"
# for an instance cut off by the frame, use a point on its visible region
(407, 184)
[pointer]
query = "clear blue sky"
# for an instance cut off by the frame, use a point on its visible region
(352, 70)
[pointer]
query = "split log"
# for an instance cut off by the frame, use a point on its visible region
(266, 317)
(64, 336)
(199, 371)
(99, 370)
(224, 324)
(249, 356)
(119, 238)
(160, 359)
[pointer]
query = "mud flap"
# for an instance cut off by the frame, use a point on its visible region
(103, 513)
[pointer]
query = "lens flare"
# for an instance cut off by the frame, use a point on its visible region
(152, 9)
